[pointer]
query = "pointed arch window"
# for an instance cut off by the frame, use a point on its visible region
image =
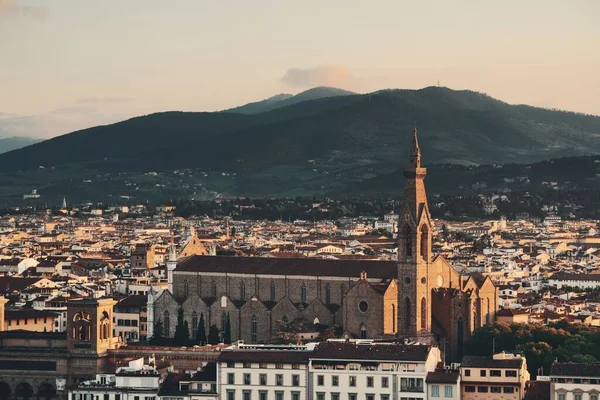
(167, 324)
(425, 242)
(459, 336)
(303, 293)
(407, 314)
(242, 291)
(408, 245)
(327, 293)
(284, 320)
(363, 331)
(186, 288)
(424, 314)
(272, 296)
(194, 324)
(223, 322)
(254, 329)
(213, 289)
(393, 318)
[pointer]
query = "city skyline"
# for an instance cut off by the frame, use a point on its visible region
(76, 66)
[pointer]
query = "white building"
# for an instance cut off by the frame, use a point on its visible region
(582, 281)
(263, 372)
(134, 382)
(574, 381)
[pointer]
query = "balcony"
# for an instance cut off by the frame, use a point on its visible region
(414, 389)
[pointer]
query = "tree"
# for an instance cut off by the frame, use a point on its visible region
(201, 332)
(227, 330)
(213, 335)
(157, 337)
(182, 330)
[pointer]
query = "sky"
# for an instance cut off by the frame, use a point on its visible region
(71, 64)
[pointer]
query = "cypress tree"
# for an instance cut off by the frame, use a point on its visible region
(213, 335)
(201, 332)
(227, 332)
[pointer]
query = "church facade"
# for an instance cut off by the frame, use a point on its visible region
(418, 297)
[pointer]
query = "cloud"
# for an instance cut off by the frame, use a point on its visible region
(93, 100)
(324, 75)
(13, 7)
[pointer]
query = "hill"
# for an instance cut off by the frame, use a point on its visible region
(339, 144)
(16, 142)
(284, 99)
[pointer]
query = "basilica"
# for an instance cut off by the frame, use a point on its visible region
(420, 297)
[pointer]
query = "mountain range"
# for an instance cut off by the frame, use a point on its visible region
(324, 140)
(16, 142)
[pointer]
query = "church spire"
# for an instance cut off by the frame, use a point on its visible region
(415, 152)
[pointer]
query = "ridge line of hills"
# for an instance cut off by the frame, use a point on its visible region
(321, 140)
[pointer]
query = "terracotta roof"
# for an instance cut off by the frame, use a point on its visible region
(273, 356)
(450, 376)
(384, 352)
(489, 362)
(537, 390)
(576, 369)
(288, 266)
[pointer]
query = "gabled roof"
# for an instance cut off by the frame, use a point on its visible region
(589, 370)
(365, 352)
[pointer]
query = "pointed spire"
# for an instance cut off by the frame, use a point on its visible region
(415, 152)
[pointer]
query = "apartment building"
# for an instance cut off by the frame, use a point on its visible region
(500, 377)
(364, 370)
(574, 381)
(263, 372)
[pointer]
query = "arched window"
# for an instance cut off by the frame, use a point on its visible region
(194, 324)
(254, 329)
(272, 291)
(407, 233)
(363, 331)
(407, 314)
(223, 322)
(213, 289)
(425, 243)
(393, 318)
(284, 320)
(327, 293)
(459, 337)
(424, 314)
(242, 290)
(167, 324)
(303, 293)
(186, 288)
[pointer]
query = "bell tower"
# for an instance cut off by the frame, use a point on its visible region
(414, 253)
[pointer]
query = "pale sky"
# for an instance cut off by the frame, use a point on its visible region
(70, 64)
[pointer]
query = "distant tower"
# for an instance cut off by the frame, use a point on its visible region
(64, 204)
(414, 253)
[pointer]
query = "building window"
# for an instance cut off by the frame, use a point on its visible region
(335, 396)
(509, 390)
(263, 395)
(167, 324)
(327, 293)
(320, 380)
(213, 290)
(186, 288)
(495, 373)
(370, 381)
(435, 391)
(295, 380)
(278, 395)
(467, 372)
(279, 380)
(425, 243)
(562, 396)
(407, 313)
(352, 381)
(263, 379)
(118, 396)
(335, 380)
(510, 373)
(246, 379)
(483, 372)
(411, 384)
(246, 395)
(363, 331)
(272, 291)
(385, 397)
(577, 396)
(496, 389)
(231, 395)
(593, 397)
(470, 389)
(254, 329)
(295, 395)
(303, 293)
(230, 379)
(482, 389)
(242, 290)
(320, 396)
(448, 391)
(194, 324)
(393, 318)
(352, 396)
(370, 396)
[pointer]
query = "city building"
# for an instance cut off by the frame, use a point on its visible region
(574, 381)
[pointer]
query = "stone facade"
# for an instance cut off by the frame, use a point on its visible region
(419, 297)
